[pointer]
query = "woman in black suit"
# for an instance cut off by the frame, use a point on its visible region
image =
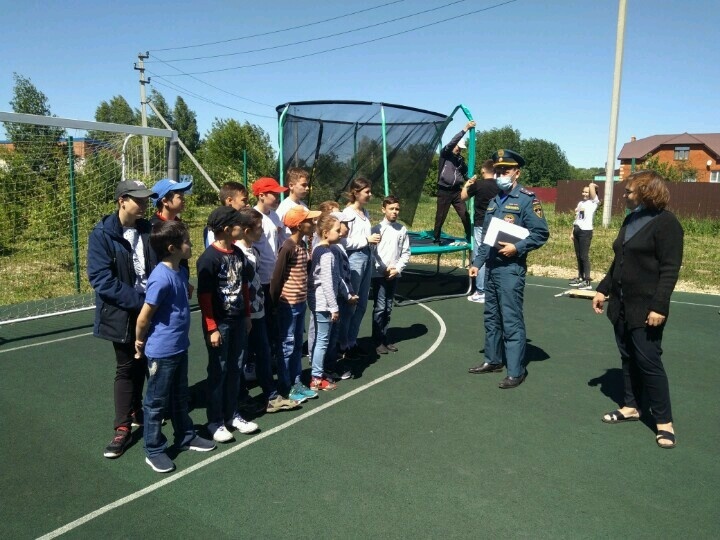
(648, 254)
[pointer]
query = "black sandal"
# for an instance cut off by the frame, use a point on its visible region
(616, 417)
(667, 435)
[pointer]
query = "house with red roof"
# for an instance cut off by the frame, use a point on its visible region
(699, 151)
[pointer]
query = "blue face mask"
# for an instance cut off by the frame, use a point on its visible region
(504, 183)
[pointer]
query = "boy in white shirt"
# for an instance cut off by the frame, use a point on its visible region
(389, 259)
(298, 182)
(582, 234)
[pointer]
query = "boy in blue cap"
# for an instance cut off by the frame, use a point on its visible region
(169, 199)
(506, 268)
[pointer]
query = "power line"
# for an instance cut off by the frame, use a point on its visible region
(345, 46)
(281, 30)
(211, 85)
(328, 36)
(187, 92)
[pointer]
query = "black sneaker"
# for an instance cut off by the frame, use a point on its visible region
(584, 286)
(160, 463)
(117, 446)
(575, 282)
(381, 349)
(138, 418)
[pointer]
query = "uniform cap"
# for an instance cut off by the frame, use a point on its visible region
(507, 158)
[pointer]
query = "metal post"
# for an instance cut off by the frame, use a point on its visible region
(173, 164)
(74, 213)
(143, 112)
(281, 156)
(614, 109)
(245, 168)
(384, 150)
(123, 160)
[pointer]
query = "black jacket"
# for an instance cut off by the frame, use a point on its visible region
(645, 269)
(112, 274)
(452, 170)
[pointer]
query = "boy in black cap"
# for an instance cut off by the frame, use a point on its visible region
(225, 306)
(506, 268)
(119, 261)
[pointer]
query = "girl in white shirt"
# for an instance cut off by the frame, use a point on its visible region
(358, 242)
(582, 234)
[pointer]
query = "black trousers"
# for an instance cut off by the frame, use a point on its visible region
(581, 242)
(129, 381)
(445, 199)
(643, 370)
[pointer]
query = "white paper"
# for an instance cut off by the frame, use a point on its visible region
(500, 230)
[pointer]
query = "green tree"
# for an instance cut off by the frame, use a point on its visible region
(545, 163)
(222, 153)
(117, 111)
(186, 125)
(163, 108)
(682, 172)
(488, 142)
(579, 173)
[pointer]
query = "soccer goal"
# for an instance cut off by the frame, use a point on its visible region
(57, 178)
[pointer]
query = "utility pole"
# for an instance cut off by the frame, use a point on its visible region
(140, 66)
(614, 109)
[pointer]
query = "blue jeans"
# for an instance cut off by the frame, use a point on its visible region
(360, 274)
(343, 325)
(167, 389)
(225, 366)
(480, 279)
(324, 329)
(260, 346)
(291, 323)
(383, 296)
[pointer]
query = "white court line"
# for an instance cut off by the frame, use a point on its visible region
(153, 487)
(3, 351)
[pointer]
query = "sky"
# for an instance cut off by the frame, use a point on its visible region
(545, 67)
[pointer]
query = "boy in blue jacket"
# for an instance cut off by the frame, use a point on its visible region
(119, 261)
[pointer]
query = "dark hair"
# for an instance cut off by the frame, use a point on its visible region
(651, 188)
(324, 223)
(229, 189)
(165, 234)
(169, 195)
(250, 217)
(296, 173)
(356, 186)
(390, 199)
(488, 166)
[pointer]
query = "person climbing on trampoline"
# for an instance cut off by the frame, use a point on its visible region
(452, 173)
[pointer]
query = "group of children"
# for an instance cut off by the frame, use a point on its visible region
(255, 280)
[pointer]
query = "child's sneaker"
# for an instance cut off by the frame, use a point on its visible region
(137, 418)
(222, 435)
(305, 391)
(244, 426)
(297, 395)
(117, 445)
(318, 383)
(575, 282)
(477, 297)
(281, 404)
(160, 463)
(584, 286)
(199, 445)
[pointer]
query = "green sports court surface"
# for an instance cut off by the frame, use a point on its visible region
(413, 447)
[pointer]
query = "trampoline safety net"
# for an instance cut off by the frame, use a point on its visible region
(340, 140)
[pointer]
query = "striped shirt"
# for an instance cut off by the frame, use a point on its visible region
(290, 277)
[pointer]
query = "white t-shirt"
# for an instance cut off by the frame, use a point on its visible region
(585, 212)
(358, 229)
(268, 245)
(283, 208)
(131, 235)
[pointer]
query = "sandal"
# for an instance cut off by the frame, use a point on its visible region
(616, 417)
(665, 435)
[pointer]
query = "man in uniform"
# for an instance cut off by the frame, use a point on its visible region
(505, 270)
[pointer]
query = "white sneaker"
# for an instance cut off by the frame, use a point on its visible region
(244, 426)
(477, 297)
(222, 435)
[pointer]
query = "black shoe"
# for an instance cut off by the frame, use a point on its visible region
(512, 382)
(391, 347)
(486, 367)
(137, 418)
(382, 349)
(117, 446)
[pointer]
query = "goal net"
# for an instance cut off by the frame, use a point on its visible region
(57, 179)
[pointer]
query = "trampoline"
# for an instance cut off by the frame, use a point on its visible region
(390, 145)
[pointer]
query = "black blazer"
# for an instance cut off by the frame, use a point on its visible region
(645, 269)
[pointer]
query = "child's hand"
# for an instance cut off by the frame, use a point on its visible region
(215, 338)
(190, 289)
(334, 316)
(139, 347)
(353, 299)
(373, 238)
(391, 272)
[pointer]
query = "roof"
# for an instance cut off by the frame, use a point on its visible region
(642, 147)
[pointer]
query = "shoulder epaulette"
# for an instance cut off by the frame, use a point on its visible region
(527, 192)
